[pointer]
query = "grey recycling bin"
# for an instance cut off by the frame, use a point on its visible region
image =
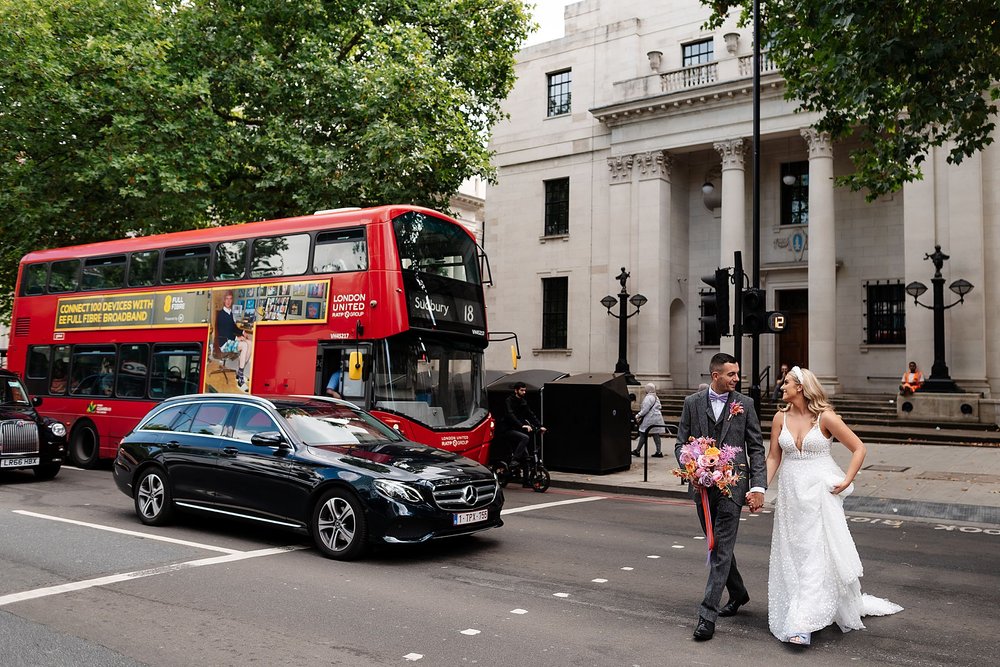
(588, 417)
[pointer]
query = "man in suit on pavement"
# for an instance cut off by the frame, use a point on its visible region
(712, 413)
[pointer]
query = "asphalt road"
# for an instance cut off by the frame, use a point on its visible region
(572, 579)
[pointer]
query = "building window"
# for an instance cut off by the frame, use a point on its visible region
(697, 53)
(555, 313)
(559, 92)
(708, 322)
(557, 207)
(795, 193)
(885, 313)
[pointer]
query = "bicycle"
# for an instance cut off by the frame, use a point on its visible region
(531, 469)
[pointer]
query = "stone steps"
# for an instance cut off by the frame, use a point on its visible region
(872, 417)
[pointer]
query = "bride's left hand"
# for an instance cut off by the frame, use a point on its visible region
(840, 488)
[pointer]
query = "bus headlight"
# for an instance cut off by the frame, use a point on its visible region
(395, 490)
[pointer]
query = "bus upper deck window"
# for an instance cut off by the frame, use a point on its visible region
(64, 276)
(142, 268)
(33, 279)
(339, 251)
(104, 273)
(185, 265)
(280, 256)
(230, 260)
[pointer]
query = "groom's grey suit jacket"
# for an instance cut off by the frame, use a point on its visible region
(740, 430)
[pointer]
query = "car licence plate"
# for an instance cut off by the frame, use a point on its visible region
(19, 463)
(470, 517)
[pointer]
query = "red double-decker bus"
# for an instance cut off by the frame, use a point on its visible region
(383, 305)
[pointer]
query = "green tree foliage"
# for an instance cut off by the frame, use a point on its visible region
(906, 75)
(125, 116)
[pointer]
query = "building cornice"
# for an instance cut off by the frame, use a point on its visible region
(706, 97)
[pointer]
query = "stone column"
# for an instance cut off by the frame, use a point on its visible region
(733, 234)
(650, 329)
(618, 254)
(822, 261)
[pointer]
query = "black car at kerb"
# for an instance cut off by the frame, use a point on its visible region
(312, 464)
(28, 439)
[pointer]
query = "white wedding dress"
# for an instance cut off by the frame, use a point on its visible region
(814, 576)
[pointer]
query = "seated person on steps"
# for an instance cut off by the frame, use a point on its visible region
(912, 380)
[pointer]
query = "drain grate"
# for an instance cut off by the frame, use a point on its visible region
(876, 468)
(970, 477)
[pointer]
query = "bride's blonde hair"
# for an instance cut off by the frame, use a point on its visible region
(816, 399)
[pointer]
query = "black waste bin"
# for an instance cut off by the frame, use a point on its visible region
(496, 396)
(588, 419)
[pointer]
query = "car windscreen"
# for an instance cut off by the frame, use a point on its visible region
(12, 392)
(336, 425)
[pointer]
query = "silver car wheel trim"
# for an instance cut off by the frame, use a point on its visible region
(336, 524)
(150, 496)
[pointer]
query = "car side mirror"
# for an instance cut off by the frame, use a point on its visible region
(36, 400)
(269, 439)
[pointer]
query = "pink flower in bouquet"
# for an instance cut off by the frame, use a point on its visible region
(705, 465)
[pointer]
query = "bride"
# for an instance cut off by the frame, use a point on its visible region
(814, 576)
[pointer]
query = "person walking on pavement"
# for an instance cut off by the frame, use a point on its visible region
(520, 423)
(727, 416)
(650, 418)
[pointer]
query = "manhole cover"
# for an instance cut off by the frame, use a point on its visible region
(875, 468)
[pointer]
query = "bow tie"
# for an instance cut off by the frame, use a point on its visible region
(712, 396)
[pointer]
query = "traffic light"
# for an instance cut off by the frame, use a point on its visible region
(754, 311)
(715, 305)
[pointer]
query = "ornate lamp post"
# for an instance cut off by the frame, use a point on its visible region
(623, 300)
(940, 380)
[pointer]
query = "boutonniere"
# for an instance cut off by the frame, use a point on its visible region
(735, 409)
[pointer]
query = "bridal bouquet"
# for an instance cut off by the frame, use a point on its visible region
(706, 465)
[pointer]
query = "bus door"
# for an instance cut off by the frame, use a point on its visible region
(333, 371)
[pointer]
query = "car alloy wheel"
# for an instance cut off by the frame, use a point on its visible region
(153, 505)
(338, 525)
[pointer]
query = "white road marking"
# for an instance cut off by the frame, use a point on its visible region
(653, 556)
(519, 611)
(561, 595)
(677, 546)
(412, 657)
(628, 569)
(471, 632)
(539, 506)
(132, 533)
(139, 574)
(599, 581)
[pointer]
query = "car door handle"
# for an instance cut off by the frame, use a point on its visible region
(230, 451)
(173, 444)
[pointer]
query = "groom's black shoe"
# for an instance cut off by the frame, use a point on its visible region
(705, 629)
(733, 606)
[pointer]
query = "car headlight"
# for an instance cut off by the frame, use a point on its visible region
(57, 429)
(394, 490)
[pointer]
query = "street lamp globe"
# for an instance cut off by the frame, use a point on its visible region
(915, 289)
(609, 301)
(638, 300)
(961, 287)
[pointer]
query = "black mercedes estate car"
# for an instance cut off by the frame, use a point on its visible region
(28, 439)
(315, 465)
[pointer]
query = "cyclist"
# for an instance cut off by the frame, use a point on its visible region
(520, 423)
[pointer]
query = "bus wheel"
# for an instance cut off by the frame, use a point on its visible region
(338, 525)
(84, 447)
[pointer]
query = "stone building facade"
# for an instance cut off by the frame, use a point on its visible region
(629, 145)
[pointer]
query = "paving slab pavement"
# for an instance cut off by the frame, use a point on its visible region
(955, 483)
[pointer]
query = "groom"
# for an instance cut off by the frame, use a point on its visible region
(711, 413)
